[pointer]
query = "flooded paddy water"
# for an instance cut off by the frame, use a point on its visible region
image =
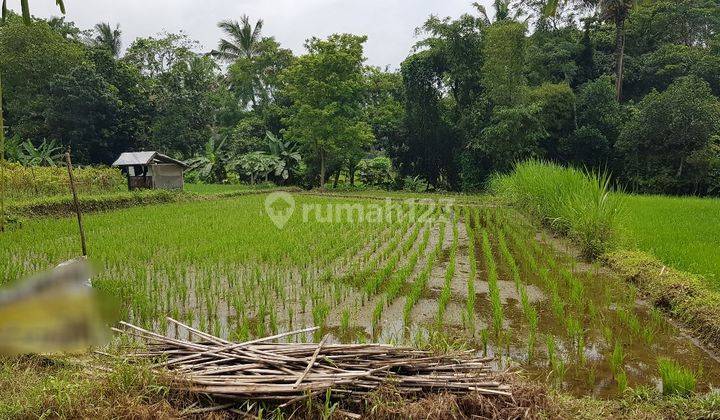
(479, 278)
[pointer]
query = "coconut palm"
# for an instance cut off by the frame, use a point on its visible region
(243, 42)
(502, 11)
(617, 11)
(108, 37)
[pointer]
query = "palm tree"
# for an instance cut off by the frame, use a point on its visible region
(108, 37)
(502, 11)
(616, 11)
(25, 6)
(244, 40)
(26, 18)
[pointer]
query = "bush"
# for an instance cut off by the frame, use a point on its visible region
(376, 172)
(574, 203)
(23, 182)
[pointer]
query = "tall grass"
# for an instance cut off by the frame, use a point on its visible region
(576, 203)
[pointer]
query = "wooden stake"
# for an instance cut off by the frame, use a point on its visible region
(68, 162)
(2, 165)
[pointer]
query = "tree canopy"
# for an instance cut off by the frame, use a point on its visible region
(626, 86)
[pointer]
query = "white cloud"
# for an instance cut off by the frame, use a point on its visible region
(389, 24)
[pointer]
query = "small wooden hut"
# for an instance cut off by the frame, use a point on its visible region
(151, 170)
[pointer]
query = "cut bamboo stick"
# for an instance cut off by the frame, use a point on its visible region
(285, 373)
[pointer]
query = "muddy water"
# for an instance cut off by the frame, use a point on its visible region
(607, 310)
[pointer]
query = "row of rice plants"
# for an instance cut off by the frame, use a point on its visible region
(446, 292)
(420, 283)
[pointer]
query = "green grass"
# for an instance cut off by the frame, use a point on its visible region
(204, 189)
(683, 232)
(677, 380)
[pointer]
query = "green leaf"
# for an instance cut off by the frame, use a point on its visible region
(4, 10)
(61, 5)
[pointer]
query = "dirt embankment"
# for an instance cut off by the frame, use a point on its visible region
(683, 295)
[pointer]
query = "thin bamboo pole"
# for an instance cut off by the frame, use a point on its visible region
(68, 162)
(2, 163)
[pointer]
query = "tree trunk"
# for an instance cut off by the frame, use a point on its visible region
(322, 170)
(619, 56)
(252, 179)
(680, 169)
(337, 179)
(352, 176)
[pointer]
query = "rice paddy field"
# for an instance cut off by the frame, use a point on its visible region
(465, 275)
(683, 232)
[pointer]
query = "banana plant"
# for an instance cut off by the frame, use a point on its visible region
(47, 154)
(256, 164)
(212, 164)
(286, 153)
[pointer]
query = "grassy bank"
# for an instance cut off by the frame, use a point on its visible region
(684, 295)
(89, 203)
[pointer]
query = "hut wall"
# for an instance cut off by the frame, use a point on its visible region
(167, 176)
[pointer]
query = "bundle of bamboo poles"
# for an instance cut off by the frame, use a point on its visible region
(267, 370)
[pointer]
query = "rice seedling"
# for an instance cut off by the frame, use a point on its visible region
(492, 278)
(676, 379)
(420, 283)
(470, 300)
(446, 292)
(345, 320)
(556, 363)
(509, 259)
(485, 339)
(377, 314)
(617, 359)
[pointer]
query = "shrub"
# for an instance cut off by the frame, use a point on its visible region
(377, 172)
(575, 203)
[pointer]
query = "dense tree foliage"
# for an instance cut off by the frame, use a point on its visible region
(623, 85)
(326, 88)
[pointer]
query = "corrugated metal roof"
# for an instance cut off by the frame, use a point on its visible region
(145, 158)
(134, 158)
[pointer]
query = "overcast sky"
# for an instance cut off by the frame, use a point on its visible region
(389, 24)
